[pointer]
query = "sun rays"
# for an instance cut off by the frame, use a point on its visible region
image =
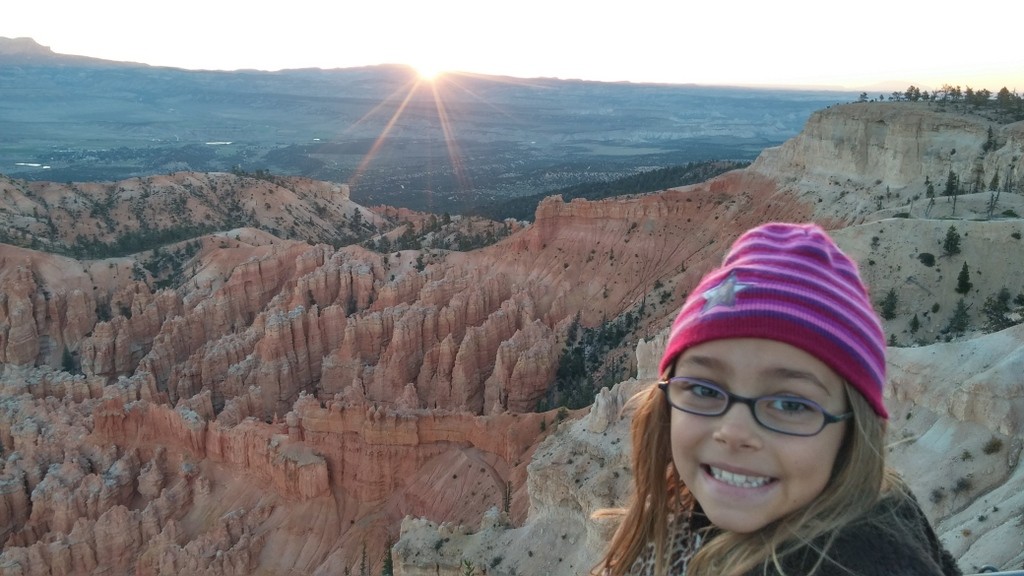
(427, 73)
(427, 85)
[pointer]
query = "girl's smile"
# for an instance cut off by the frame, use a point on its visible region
(744, 475)
(736, 479)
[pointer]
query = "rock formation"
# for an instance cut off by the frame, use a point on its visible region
(245, 400)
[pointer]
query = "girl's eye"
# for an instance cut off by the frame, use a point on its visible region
(790, 405)
(704, 391)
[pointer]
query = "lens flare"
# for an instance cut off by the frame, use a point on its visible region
(437, 94)
(426, 72)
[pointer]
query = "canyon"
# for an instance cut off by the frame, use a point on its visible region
(267, 394)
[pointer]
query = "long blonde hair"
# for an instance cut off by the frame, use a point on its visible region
(859, 477)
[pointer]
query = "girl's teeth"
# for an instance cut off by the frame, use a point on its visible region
(738, 480)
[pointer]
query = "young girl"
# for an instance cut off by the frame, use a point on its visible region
(761, 451)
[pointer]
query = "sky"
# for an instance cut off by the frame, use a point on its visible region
(852, 45)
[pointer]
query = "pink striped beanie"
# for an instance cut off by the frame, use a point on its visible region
(792, 284)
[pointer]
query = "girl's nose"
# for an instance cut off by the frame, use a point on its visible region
(737, 428)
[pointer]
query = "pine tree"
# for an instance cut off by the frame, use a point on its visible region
(951, 245)
(364, 570)
(389, 568)
(67, 361)
(959, 322)
(990, 141)
(889, 304)
(963, 281)
(952, 184)
(915, 324)
(996, 308)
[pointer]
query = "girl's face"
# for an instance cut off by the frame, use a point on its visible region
(744, 475)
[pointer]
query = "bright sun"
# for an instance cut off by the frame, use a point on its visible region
(427, 72)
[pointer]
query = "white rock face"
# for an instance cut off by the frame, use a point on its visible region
(905, 143)
(852, 155)
(956, 426)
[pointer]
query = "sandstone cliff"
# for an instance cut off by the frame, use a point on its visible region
(267, 403)
(876, 159)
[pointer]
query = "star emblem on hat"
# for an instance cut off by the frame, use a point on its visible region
(724, 294)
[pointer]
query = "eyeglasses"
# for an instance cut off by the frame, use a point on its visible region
(785, 414)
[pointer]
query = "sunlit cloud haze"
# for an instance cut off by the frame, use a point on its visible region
(869, 44)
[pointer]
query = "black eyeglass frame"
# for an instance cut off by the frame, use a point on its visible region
(751, 403)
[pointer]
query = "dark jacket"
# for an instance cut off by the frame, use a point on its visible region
(893, 539)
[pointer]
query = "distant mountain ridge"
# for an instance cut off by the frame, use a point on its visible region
(21, 51)
(23, 47)
(487, 139)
